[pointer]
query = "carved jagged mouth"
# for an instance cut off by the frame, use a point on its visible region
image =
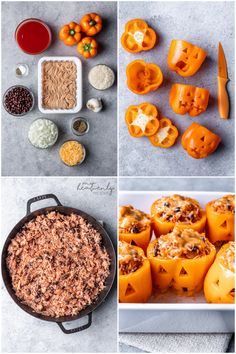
(192, 106)
(181, 65)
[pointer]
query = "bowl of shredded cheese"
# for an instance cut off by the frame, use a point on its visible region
(72, 153)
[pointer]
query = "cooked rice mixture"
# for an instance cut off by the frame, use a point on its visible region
(177, 209)
(227, 256)
(57, 264)
(132, 220)
(129, 259)
(224, 205)
(182, 244)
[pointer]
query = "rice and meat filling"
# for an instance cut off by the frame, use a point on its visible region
(57, 264)
(132, 220)
(179, 243)
(177, 209)
(129, 259)
(224, 205)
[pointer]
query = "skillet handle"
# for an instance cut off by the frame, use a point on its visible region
(41, 197)
(77, 329)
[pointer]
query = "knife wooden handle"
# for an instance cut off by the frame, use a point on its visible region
(223, 98)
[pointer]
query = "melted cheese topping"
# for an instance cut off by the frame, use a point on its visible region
(132, 220)
(227, 256)
(224, 205)
(129, 258)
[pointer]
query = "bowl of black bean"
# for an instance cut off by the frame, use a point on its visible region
(18, 100)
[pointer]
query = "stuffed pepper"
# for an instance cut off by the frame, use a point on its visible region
(220, 219)
(134, 226)
(135, 281)
(180, 260)
(219, 284)
(177, 210)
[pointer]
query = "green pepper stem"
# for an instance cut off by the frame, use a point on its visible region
(71, 32)
(92, 23)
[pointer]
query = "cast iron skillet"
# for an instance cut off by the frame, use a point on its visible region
(106, 243)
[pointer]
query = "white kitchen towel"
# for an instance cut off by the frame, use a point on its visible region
(177, 343)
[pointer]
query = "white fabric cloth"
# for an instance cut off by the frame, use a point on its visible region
(177, 343)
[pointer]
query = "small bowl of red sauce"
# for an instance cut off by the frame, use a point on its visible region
(33, 36)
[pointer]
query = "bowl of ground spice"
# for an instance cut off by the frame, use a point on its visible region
(79, 126)
(18, 100)
(72, 153)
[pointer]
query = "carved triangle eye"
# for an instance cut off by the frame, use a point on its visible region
(133, 243)
(217, 283)
(232, 293)
(224, 225)
(183, 272)
(185, 50)
(130, 290)
(162, 270)
(203, 138)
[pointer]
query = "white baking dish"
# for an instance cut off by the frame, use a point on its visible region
(78, 106)
(173, 314)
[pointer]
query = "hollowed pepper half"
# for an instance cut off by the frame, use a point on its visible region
(166, 134)
(136, 284)
(185, 58)
(142, 120)
(221, 219)
(138, 36)
(219, 284)
(199, 142)
(185, 275)
(188, 99)
(143, 77)
(168, 212)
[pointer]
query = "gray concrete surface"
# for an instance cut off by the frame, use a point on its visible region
(204, 24)
(177, 184)
(19, 158)
(23, 333)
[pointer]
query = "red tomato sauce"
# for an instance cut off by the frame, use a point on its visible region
(33, 36)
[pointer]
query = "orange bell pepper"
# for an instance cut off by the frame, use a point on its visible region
(219, 226)
(166, 135)
(219, 284)
(91, 24)
(88, 47)
(143, 77)
(199, 142)
(185, 58)
(163, 227)
(70, 34)
(142, 120)
(138, 36)
(136, 286)
(140, 239)
(186, 276)
(188, 99)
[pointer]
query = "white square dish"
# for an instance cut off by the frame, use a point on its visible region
(169, 313)
(78, 106)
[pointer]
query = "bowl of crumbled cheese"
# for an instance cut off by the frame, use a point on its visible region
(43, 133)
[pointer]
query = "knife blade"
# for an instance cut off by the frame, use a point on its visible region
(223, 98)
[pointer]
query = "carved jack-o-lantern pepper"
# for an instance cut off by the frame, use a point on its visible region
(219, 284)
(135, 281)
(199, 142)
(177, 210)
(134, 226)
(143, 77)
(180, 260)
(138, 36)
(185, 58)
(188, 99)
(142, 120)
(220, 219)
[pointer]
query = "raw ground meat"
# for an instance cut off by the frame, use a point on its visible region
(57, 264)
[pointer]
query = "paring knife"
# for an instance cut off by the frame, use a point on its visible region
(223, 98)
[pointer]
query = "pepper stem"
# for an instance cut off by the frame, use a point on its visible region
(87, 47)
(71, 32)
(92, 23)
